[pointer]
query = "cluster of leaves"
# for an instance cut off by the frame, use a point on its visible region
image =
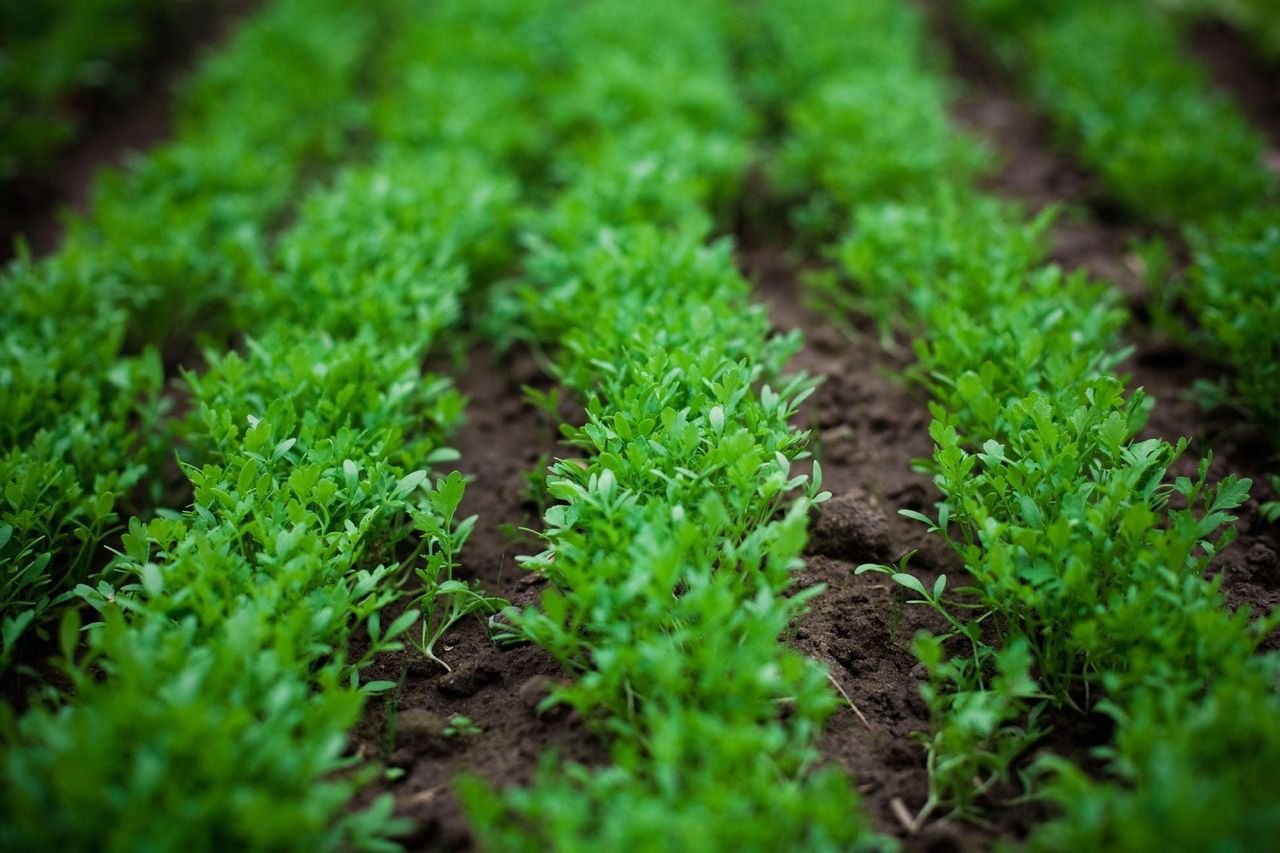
(53, 53)
(307, 455)
(1233, 290)
(1271, 509)
(483, 86)
(1141, 113)
(1136, 109)
(669, 563)
(841, 146)
(163, 250)
(671, 549)
(211, 702)
(1087, 564)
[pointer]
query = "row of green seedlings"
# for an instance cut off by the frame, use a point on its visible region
(211, 705)
(1142, 115)
(671, 551)
(169, 241)
(1086, 565)
(57, 53)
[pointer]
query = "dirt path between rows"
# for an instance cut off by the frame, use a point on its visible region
(505, 444)
(868, 426)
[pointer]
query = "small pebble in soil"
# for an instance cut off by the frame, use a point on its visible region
(419, 731)
(469, 679)
(1262, 559)
(850, 526)
(535, 690)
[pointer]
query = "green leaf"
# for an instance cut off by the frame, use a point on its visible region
(716, 419)
(403, 623)
(152, 580)
(372, 688)
(69, 633)
(409, 482)
(916, 516)
(12, 628)
(911, 582)
(1232, 492)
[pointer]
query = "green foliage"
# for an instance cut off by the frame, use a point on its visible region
(672, 545)
(1194, 775)
(1233, 290)
(460, 725)
(1143, 116)
(166, 247)
(839, 129)
(480, 87)
(443, 599)
(237, 612)
(1271, 509)
(1257, 19)
(669, 560)
(1086, 563)
(211, 703)
(1141, 113)
(844, 136)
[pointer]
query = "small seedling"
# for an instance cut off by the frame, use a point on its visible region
(460, 726)
(1271, 509)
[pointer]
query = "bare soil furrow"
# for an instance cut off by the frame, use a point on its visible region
(868, 426)
(503, 442)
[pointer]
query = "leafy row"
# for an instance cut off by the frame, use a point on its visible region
(671, 550)
(1086, 564)
(211, 702)
(1114, 78)
(165, 247)
(227, 694)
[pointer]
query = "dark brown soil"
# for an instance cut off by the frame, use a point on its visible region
(504, 441)
(868, 427)
(112, 128)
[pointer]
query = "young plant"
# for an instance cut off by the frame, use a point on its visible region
(461, 726)
(1271, 509)
(444, 600)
